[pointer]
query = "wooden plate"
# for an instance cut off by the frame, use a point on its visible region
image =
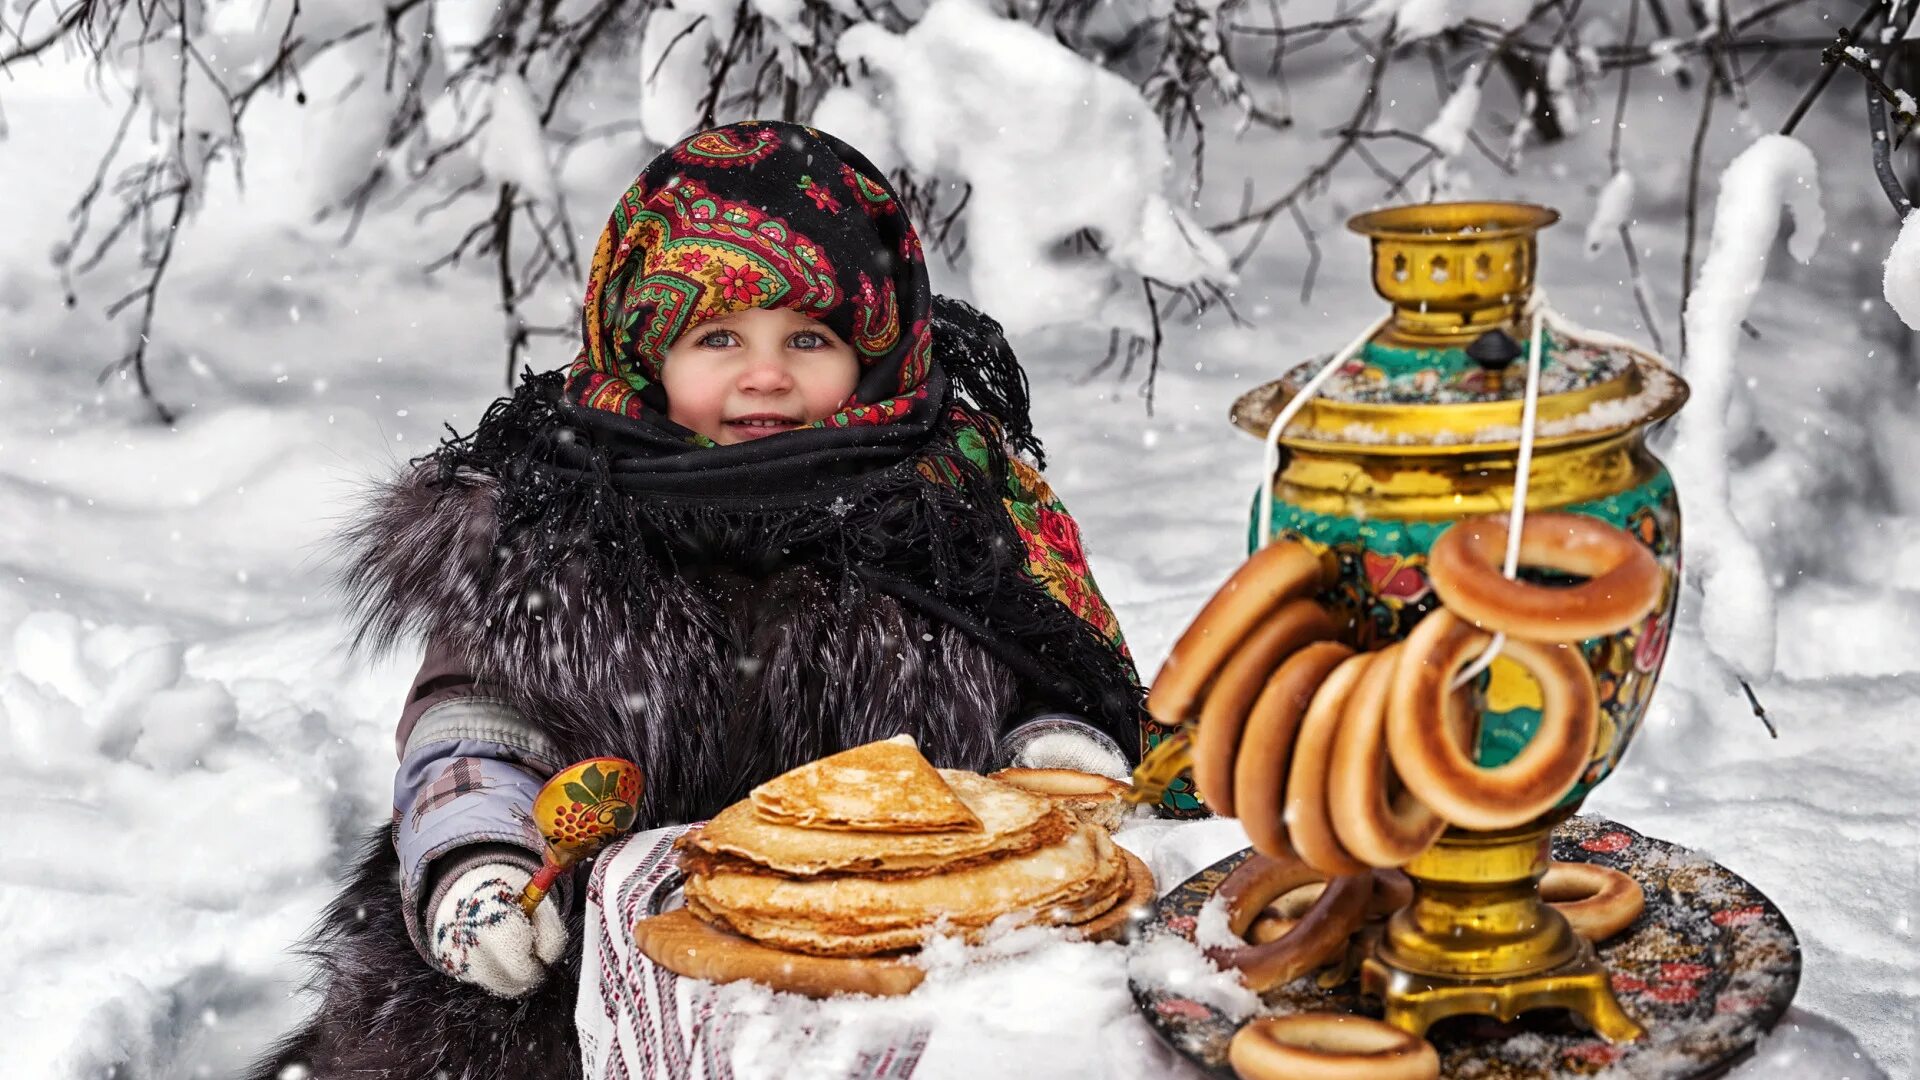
(686, 946)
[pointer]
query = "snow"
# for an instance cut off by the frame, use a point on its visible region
(1611, 210)
(460, 25)
(996, 103)
(1901, 281)
(1776, 172)
(1667, 60)
(1174, 964)
(1656, 388)
(1561, 82)
(346, 149)
(671, 63)
(1417, 19)
(161, 864)
(1211, 927)
(1450, 129)
(512, 149)
(860, 123)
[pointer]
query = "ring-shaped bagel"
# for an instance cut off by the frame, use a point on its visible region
(1090, 797)
(1243, 679)
(1392, 890)
(1375, 827)
(1329, 1046)
(1271, 926)
(1598, 901)
(1292, 905)
(1317, 937)
(1309, 829)
(1423, 714)
(1266, 749)
(1623, 579)
(1283, 570)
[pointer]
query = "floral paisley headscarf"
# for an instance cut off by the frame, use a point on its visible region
(913, 486)
(757, 215)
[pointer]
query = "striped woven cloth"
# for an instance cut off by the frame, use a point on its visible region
(637, 1019)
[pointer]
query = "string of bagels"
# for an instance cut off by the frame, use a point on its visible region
(1343, 764)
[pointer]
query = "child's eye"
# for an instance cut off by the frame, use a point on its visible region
(716, 339)
(810, 339)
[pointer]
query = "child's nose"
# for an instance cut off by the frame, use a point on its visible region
(766, 372)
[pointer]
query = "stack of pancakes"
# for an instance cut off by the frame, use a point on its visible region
(870, 850)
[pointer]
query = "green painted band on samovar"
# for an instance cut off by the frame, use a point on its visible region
(1397, 361)
(1383, 587)
(1390, 537)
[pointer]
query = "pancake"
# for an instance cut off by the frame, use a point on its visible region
(686, 945)
(882, 786)
(1052, 829)
(1011, 822)
(1072, 881)
(1057, 873)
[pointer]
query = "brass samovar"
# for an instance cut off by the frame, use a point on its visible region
(1418, 428)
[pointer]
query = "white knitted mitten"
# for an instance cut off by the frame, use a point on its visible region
(481, 936)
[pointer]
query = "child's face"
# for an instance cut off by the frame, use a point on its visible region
(755, 373)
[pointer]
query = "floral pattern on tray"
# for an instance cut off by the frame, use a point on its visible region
(1707, 969)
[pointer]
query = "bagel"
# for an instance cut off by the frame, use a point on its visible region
(1597, 900)
(1271, 926)
(1376, 827)
(1091, 797)
(1623, 579)
(1241, 680)
(1392, 890)
(1318, 936)
(1282, 571)
(1329, 1046)
(1273, 724)
(1423, 713)
(1292, 905)
(1309, 830)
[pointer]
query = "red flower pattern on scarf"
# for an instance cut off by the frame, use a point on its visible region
(742, 283)
(1064, 538)
(821, 197)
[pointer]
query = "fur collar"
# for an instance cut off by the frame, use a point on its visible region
(713, 679)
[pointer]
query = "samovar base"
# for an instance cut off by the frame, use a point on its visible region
(1478, 939)
(1413, 1002)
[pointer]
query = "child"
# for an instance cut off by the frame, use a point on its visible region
(773, 511)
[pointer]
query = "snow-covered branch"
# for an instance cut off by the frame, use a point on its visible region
(473, 109)
(1776, 173)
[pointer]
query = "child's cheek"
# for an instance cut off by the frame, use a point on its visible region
(693, 402)
(835, 392)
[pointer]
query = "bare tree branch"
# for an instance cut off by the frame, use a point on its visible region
(1693, 209)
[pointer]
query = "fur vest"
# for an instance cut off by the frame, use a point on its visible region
(729, 677)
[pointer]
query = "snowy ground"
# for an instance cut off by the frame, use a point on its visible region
(184, 746)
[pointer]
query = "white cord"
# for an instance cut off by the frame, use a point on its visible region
(1271, 458)
(1529, 413)
(1517, 517)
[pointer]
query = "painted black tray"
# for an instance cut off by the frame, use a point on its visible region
(1708, 968)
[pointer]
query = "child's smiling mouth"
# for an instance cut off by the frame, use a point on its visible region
(760, 425)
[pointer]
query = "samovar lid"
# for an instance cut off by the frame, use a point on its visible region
(1447, 374)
